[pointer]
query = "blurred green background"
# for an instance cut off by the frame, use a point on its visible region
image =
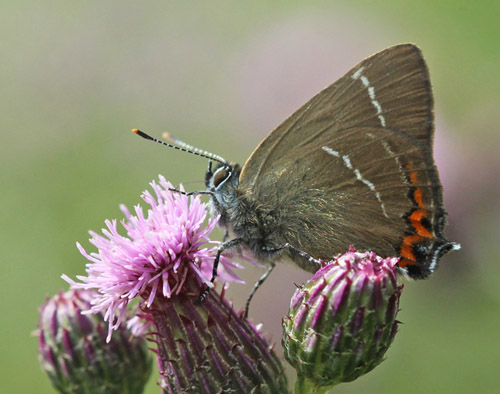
(77, 76)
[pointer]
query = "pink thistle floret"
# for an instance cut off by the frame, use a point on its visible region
(162, 250)
(367, 264)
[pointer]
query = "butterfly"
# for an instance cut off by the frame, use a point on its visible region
(352, 166)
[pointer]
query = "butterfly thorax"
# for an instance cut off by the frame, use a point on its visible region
(241, 214)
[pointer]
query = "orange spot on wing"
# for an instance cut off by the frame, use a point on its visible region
(416, 221)
(419, 197)
(413, 177)
(418, 215)
(405, 262)
(407, 247)
(412, 174)
(407, 252)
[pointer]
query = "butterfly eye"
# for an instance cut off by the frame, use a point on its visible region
(220, 176)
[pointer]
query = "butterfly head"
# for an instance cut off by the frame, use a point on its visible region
(222, 180)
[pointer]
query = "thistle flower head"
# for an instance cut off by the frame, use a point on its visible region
(163, 249)
(343, 320)
(75, 355)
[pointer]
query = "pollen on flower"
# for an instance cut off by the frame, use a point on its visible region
(162, 249)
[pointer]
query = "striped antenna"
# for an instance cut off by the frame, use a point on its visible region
(182, 146)
(191, 148)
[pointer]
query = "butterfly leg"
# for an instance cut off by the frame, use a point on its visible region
(222, 248)
(257, 285)
(296, 250)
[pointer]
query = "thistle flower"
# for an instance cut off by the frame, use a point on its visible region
(161, 249)
(202, 347)
(342, 321)
(75, 355)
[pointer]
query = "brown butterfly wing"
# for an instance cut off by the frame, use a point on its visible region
(402, 86)
(354, 166)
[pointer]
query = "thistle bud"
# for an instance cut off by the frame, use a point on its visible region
(75, 355)
(206, 347)
(342, 321)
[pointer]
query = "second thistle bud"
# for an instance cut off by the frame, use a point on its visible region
(343, 320)
(75, 355)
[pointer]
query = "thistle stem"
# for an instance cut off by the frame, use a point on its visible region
(307, 386)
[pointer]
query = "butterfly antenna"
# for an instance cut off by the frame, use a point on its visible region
(182, 147)
(191, 148)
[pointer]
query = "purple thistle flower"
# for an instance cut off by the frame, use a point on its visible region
(162, 250)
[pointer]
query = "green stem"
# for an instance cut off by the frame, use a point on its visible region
(307, 386)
